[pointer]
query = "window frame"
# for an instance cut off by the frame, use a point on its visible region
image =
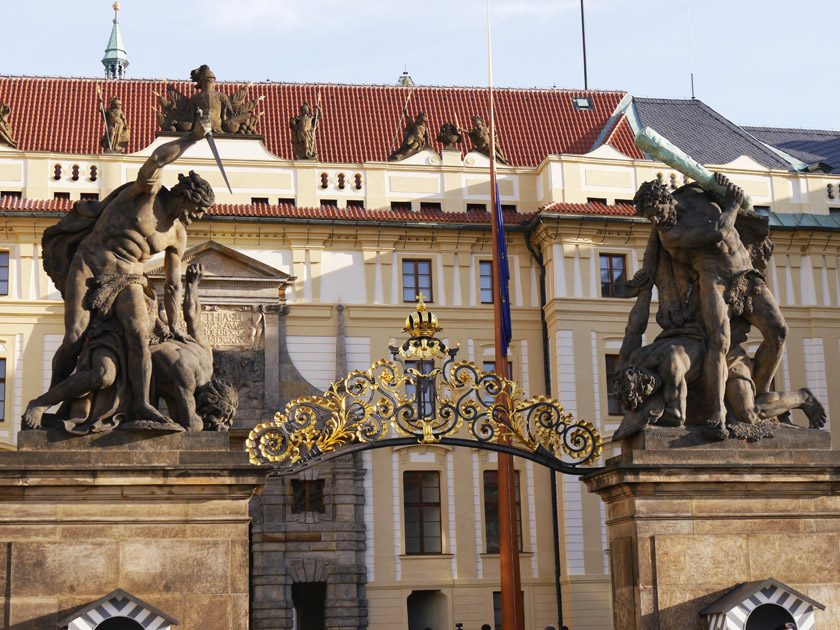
(484, 264)
(3, 388)
(421, 505)
(307, 485)
(489, 506)
(611, 284)
(5, 270)
(614, 406)
(428, 292)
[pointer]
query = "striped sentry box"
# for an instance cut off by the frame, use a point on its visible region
(119, 604)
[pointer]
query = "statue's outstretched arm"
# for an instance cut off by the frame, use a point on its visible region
(172, 290)
(171, 151)
(637, 324)
(192, 303)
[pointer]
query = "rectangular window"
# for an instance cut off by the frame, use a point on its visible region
(329, 203)
(421, 496)
(490, 366)
(762, 210)
(359, 204)
(431, 206)
(497, 608)
(263, 201)
(89, 197)
(485, 277)
(614, 407)
(834, 211)
(4, 273)
(603, 202)
(424, 390)
(476, 207)
(401, 206)
(624, 202)
(613, 277)
(62, 195)
(286, 201)
(508, 207)
(2, 390)
(308, 495)
(417, 279)
(11, 194)
(491, 510)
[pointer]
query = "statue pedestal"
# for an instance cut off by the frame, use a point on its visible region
(163, 517)
(686, 525)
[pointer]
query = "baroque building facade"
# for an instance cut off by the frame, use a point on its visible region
(314, 264)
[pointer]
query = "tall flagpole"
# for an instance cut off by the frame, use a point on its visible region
(513, 613)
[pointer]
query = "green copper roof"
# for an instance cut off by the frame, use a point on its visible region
(115, 51)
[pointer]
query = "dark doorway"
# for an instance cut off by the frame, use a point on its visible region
(427, 611)
(769, 617)
(119, 623)
(309, 600)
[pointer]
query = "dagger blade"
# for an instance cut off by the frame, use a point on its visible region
(212, 142)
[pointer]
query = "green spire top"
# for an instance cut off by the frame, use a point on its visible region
(115, 61)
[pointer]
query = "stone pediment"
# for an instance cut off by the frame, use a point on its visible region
(230, 276)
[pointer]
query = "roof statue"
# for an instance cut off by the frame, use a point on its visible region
(6, 135)
(415, 137)
(115, 60)
(706, 256)
(480, 136)
(115, 138)
(448, 135)
(116, 349)
(228, 114)
(303, 129)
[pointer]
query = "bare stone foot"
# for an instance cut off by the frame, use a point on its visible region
(716, 427)
(813, 409)
(33, 415)
(669, 419)
(147, 412)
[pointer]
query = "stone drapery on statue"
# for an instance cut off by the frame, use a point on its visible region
(415, 137)
(95, 257)
(706, 256)
(6, 135)
(303, 129)
(228, 114)
(117, 133)
(480, 136)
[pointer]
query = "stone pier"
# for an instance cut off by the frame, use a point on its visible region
(164, 517)
(688, 522)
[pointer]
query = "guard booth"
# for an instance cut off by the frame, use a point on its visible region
(762, 605)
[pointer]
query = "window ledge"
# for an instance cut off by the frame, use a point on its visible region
(406, 556)
(485, 554)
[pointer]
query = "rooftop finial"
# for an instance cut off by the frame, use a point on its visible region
(405, 78)
(115, 60)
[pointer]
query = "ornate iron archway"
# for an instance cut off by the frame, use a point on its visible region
(412, 399)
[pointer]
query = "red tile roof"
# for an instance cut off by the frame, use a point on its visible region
(621, 138)
(594, 207)
(11, 205)
(61, 115)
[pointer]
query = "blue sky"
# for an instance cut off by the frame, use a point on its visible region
(756, 62)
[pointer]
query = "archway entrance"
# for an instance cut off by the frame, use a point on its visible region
(769, 617)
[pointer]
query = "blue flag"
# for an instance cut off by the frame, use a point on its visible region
(504, 272)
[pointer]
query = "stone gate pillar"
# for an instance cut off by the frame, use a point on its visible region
(688, 523)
